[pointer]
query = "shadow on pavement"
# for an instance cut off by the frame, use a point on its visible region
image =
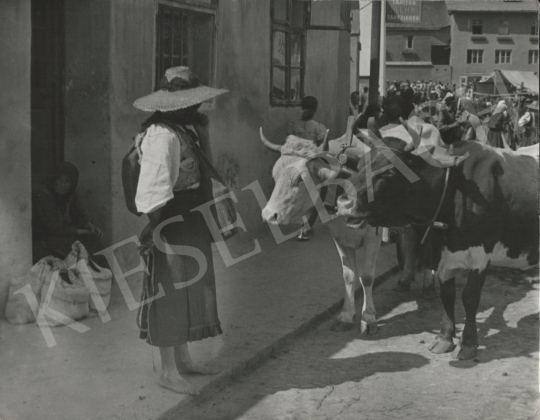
(498, 336)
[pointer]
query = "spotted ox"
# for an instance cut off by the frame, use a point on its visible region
(488, 200)
(429, 136)
(290, 201)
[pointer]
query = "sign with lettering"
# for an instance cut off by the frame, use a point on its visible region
(403, 11)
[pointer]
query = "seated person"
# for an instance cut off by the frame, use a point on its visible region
(58, 219)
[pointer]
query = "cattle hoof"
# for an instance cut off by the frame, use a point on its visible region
(401, 287)
(340, 326)
(369, 328)
(440, 346)
(464, 352)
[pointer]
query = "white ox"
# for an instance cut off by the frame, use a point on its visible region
(290, 202)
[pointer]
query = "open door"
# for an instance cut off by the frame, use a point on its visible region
(47, 81)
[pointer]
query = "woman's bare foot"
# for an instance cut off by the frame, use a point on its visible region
(174, 382)
(195, 369)
(185, 364)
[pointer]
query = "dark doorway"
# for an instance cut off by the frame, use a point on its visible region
(47, 81)
(440, 55)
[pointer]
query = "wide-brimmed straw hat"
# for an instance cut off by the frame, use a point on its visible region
(179, 89)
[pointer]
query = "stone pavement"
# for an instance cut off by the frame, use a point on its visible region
(392, 375)
(106, 373)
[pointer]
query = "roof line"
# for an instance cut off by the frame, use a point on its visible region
(408, 28)
(491, 11)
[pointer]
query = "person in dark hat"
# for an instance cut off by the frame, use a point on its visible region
(58, 218)
(171, 184)
(307, 128)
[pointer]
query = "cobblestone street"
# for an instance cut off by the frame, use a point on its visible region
(392, 375)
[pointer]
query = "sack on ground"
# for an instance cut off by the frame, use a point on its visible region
(78, 252)
(101, 277)
(68, 296)
(18, 308)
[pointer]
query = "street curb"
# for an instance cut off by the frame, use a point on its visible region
(228, 376)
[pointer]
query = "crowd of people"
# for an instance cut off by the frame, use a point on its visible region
(510, 121)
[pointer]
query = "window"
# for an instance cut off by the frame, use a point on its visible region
(504, 27)
(533, 56)
(534, 29)
(440, 55)
(475, 56)
(289, 23)
(502, 56)
(409, 42)
(477, 27)
(185, 37)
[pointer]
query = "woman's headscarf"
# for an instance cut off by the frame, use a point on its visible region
(501, 106)
(68, 169)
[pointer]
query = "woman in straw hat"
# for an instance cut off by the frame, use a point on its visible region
(170, 186)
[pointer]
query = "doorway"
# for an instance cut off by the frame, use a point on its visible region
(47, 93)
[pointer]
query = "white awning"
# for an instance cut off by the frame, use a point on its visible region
(515, 78)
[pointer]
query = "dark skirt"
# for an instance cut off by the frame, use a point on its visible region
(529, 137)
(188, 313)
(495, 139)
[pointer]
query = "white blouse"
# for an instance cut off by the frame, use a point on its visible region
(167, 165)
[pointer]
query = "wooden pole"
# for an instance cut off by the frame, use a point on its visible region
(374, 64)
(382, 70)
(516, 127)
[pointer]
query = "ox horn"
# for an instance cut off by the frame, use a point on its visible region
(269, 145)
(324, 146)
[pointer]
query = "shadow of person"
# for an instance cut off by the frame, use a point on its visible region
(302, 370)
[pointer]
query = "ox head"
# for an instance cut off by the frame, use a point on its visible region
(399, 184)
(301, 164)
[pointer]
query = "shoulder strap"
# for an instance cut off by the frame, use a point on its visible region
(202, 156)
(196, 148)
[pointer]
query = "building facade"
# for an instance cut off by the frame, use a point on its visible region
(417, 42)
(493, 35)
(76, 66)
